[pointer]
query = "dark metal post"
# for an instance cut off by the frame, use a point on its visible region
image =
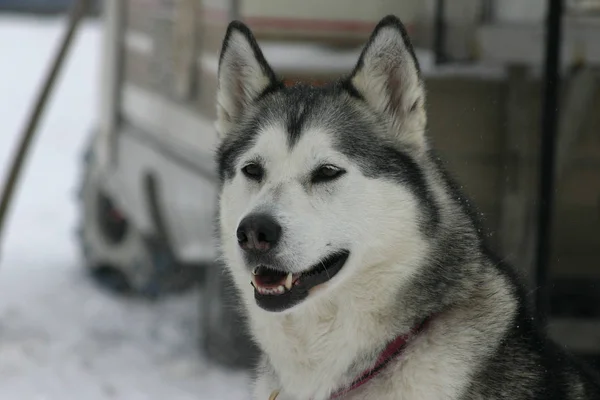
(549, 127)
(487, 11)
(439, 33)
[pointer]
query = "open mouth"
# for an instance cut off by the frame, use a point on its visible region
(276, 290)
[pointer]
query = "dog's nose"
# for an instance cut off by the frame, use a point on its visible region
(258, 233)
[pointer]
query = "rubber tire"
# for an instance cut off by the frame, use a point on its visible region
(138, 264)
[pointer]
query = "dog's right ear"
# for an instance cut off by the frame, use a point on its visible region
(387, 76)
(244, 75)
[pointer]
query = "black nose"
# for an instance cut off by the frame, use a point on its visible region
(258, 233)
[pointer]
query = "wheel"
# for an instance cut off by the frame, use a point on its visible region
(116, 254)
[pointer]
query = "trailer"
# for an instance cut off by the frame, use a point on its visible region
(149, 187)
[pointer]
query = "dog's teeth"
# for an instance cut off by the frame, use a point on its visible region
(271, 291)
(255, 270)
(288, 281)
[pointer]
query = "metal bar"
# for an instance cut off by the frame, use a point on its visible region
(78, 10)
(234, 10)
(113, 17)
(488, 11)
(549, 128)
(439, 43)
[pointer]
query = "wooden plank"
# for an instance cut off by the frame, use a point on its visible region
(576, 230)
(580, 187)
(517, 233)
(569, 266)
(465, 115)
(576, 112)
(477, 178)
(576, 334)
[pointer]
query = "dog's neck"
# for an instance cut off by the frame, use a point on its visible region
(327, 343)
(394, 349)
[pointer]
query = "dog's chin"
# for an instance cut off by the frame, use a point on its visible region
(277, 291)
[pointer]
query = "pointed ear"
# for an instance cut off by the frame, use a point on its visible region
(244, 75)
(387, 76)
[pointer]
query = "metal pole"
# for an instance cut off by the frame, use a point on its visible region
(439, 43)
(487, 11)
(549, 127)
(77, 12)
(234, 10)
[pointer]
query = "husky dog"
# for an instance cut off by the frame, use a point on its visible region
(363, 271)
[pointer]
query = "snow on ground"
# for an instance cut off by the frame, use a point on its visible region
(60, 337)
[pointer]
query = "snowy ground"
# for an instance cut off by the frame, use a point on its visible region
(60, 337)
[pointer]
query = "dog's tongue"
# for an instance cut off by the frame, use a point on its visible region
(269, 278)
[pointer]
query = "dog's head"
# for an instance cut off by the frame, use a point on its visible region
(321, 185)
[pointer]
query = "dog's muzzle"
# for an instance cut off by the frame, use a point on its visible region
(275, 290)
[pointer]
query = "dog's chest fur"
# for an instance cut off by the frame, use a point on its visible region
(308, 361)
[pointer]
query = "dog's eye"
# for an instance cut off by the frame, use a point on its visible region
(326, 173)
(253, 171)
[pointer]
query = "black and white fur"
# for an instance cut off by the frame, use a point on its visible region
(416, 247)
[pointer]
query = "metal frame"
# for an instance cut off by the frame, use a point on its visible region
(110, 100)
(549, 126)
(439, 34)
(77, 13)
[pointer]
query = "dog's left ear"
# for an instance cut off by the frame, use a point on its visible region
(244, 75)
(387, 76)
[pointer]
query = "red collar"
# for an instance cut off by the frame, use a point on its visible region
(394, 349)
